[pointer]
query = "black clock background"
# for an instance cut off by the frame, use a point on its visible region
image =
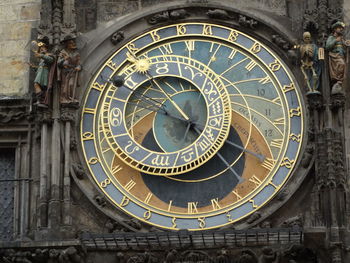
(181, 193)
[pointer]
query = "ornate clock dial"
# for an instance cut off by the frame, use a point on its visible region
(205, 129)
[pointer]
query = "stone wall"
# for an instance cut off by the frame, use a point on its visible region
(17, 18)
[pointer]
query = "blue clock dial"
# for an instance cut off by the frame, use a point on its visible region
(204, 129)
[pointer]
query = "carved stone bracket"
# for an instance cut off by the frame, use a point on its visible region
(337, 101)
(174, 15)
(281, 42)
(117, 37)
(218, 14)
(247, 22)
(315, 100)
(79, 171)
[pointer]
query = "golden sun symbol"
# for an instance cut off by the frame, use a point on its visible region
(142, 65)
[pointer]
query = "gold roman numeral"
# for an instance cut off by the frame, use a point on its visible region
(189, 45)
(250, 65)
(192, 207)
(116, 168)
(237, 195)
(148, 197)
(129, 185)
(255, 180)
(232, 54)
(265, 80)
(268, 163)
(215, 203)
(276, 143)
(279, 121)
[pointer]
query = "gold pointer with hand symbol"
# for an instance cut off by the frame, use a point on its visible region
(142, 66)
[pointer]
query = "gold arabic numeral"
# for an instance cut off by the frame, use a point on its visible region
(255, 180)
(295, 137)
(233, 36)
(105, 182)
(147, 215)
(168, 49)
(181, 29)
(276, 143)
(207, 30)
(160, 160)
(287, 162)
(201, 221)
(274, 66)
(170, 204)
(232, 54)
(238, 197)
(112, 65)
(295, 112)
(278, 121)
(215, 204)
(116, 168)
(162, 69)
(130, 83)
(253, 203)
(287, 88)
(250, 65)
(265, 80)
(189, 45)
(88, 136)
(173, 221)
(125, 201)
(93, 160)
(129, 185)
(155, 36)
(256, 48)
(115, 117)
(98, 86)
(132, 48)
(148, 197)
(90, 110)
(192, 207)
(229, 216)
(268, 163)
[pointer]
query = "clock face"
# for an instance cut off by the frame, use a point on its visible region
(192, 126)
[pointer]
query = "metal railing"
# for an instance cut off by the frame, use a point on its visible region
(194, 240)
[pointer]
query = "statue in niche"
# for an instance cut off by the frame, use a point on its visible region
(336, 46)
(69, 66)
(43, 74)
(310, 66)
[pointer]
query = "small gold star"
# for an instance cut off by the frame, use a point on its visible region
(213, 59)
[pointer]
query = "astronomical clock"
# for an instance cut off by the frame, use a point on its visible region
(191, 126)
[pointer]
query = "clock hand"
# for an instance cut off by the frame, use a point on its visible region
(183, 114)
(118, 81)
(240, 179)
(133, 59)
(190, 122)
(259, 156)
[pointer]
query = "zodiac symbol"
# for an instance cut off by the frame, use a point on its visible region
(161, 160)
(187, 155)
(193, 75)
(215, 121)
(210, 91)
(115, 117)
(134, 149)
(209, 134)
(216, 108)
